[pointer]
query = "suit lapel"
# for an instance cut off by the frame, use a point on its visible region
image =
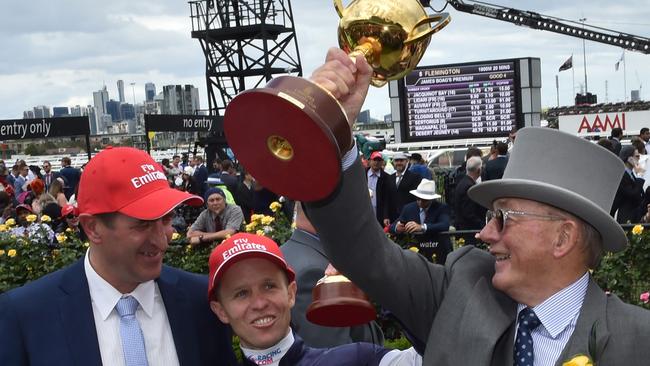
(77, 318)
(179, 314)
(592, 320)
(487, 319)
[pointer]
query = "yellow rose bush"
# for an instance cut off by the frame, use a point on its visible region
(627, 273)
(276, 227)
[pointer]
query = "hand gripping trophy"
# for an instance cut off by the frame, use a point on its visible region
(277, 130)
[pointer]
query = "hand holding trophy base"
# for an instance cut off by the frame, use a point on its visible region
(278, 131)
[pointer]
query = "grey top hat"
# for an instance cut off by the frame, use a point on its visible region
(563, 171)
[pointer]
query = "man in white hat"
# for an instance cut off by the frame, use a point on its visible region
(547, 227)
(425, 219)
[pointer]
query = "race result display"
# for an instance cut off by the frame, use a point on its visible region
(460, 101)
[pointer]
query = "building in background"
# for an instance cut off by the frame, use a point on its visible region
(78, 111)
(42, 111)
(149, 91)
(127, 111)
(113, 108)
(60, 111)
(178, 99)
(120, 90)
(100, 98)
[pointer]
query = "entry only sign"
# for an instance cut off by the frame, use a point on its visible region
(183, 123)
(34, 128)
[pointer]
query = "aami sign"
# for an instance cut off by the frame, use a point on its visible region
(583, 124)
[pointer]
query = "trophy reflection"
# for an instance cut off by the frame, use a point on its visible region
(277, 131)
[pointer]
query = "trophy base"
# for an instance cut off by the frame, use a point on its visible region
(290, 135)
(340, 304)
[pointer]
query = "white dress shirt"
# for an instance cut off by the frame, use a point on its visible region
(558, 316)
(151, 314)
(373, 178)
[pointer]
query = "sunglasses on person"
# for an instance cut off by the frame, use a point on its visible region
(501, 217)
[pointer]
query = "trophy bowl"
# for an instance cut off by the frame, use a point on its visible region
(277, 131)
(337, 302)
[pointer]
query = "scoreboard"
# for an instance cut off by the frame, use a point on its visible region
(471, 100)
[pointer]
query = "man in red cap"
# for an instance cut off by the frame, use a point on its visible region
(118, 305)
(253, 289)
(382, 190)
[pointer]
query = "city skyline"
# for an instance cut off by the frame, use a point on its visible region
(53, 63)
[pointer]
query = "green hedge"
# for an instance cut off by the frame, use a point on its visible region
(626, 274)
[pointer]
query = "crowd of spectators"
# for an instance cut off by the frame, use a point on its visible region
(48, 197)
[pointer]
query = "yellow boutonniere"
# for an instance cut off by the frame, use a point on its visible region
(580, 360)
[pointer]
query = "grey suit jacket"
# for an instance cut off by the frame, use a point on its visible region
(306, 256)
(453, 308)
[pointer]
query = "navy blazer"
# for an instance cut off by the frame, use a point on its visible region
(437, 219)
(50, 321)
(494, 168)
(409, 182)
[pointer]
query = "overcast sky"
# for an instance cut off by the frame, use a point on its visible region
(56, 53)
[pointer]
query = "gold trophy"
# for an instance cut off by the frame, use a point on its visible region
(278, 131)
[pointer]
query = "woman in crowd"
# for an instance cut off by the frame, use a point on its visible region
(56, 191)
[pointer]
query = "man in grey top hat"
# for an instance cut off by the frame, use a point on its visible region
(530, 299)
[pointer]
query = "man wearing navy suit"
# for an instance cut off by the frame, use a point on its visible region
(71, 176)
(118, 305)
(404, 180)
(200, 173)
(494, 168)
(425, 219)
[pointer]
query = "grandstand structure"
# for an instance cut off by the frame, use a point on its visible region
(552, 114)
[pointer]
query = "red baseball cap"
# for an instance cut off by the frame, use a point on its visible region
(375, 155)
(67, 210)
(128, 181)
(243, 246)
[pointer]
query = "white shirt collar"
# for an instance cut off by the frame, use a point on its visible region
(105, 296)
(557, 312)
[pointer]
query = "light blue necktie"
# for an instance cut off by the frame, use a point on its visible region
(132, 338)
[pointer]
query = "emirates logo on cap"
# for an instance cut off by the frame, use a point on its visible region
(151, 174)
(242, 245)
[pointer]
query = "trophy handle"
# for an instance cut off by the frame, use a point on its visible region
(340, 9)
(442, 20)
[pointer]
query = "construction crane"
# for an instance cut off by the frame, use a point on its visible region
(548, 23)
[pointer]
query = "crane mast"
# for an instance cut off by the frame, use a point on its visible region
(552, 24)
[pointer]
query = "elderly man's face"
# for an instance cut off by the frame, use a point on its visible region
(399, 164)
(524, 248)
(216, 203)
